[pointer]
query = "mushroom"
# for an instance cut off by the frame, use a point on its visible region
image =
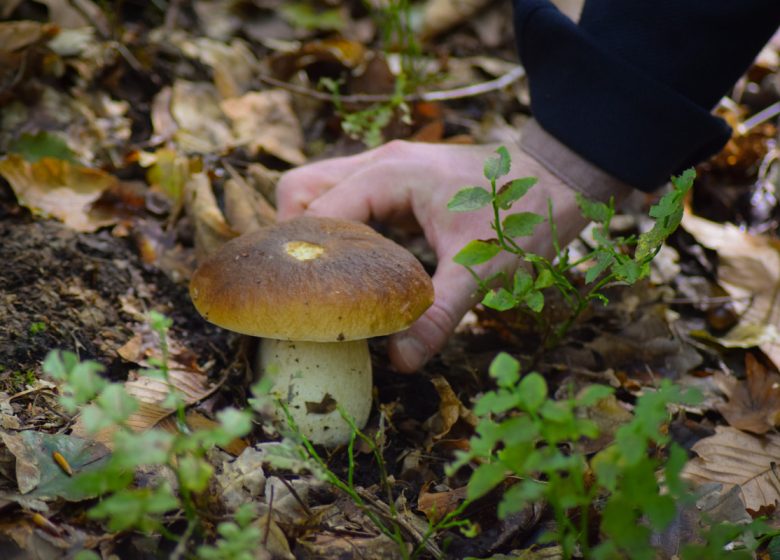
(314, 289)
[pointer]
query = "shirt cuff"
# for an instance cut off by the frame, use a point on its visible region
(582, 176)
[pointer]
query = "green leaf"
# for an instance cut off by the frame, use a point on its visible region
(494, 402)
(303, 15)
(496, 167)
(522, 282)
(484, 479)
(195, 473)
(35, 147)
(477, 252)
(603, 259)
(116, 403)
(519, 496)
(593, 394)
(533, 389)
(521, 224)
(513, 191)
(544, 279)
(505, 370)
(500, 300)
(469, 199)
(629, 271)
(594, 211)
(534, 300)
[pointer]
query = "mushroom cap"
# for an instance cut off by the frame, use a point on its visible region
(312, 279)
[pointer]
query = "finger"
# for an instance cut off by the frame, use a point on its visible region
(455, 291)
(299, 187)
(365, 195)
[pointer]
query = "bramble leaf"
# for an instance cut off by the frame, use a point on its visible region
(595, 211)
(498, 166)
(499, 299)
(513, 191)
(485, 478)
(469, 199)
(504, 369)
(476, 252)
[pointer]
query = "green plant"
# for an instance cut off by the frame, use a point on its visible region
(297, 453)
(108, 406)
(611, 258)
(627, 490)
(393, 19)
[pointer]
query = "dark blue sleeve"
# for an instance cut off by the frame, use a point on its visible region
(631, 87)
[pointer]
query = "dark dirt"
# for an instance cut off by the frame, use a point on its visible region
(82, 292)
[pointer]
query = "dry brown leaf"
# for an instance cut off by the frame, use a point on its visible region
(608, 414)
(274, 540)
(441, 15)
(435, 505)
(202, 125)
(754, 404)
(735, 458)
(245, 208)
(16, 35)
(749, 270)
(264, 121)
(450, 411)
(324, 545)
(211, 229)
(56, 188)
(233, 65)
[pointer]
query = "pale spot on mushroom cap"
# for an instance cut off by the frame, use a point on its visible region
(303, 250)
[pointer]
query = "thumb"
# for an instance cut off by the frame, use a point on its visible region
(455, 293)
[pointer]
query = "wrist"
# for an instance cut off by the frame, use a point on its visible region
(572, 169)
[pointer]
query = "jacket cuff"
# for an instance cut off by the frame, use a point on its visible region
(582, 176)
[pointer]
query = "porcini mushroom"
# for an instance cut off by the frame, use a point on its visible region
(314, 289)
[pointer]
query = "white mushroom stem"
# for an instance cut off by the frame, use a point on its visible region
(312, 378)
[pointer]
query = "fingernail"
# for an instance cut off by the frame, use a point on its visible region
(411, 353)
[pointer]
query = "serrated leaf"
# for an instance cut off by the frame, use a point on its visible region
(544, 279)
(499, 299)
(533, 389)
(513, 191)
(534, 300)
(504, 369)
(603, 260)
(497, 166)
(469, 199)
(476, 252)
(593, 210)
(521, 224)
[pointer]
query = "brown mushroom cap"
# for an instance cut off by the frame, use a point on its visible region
(312, 279)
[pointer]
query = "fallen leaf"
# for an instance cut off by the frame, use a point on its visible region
(749, 270)
(245, 208)
(735, 458)
(38, 474)
(56, 188)
(202, 125)
(450, 411)
(233, 65)
(441, 15)
(211, 229)
(195, 422)
(264, 121)
(608, 415)
(754, 404)
(243, 479)
(435, 505)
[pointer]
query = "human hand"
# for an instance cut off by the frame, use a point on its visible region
(403, 180)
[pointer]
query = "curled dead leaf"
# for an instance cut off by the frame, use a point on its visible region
(754, 404)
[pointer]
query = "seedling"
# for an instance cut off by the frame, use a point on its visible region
(612, 260)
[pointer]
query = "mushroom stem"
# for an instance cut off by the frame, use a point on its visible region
(312, 378)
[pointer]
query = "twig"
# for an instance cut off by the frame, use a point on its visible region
(762, 116)
(384, 510)
(456, 93)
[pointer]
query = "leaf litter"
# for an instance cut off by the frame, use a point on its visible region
(127, 161)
